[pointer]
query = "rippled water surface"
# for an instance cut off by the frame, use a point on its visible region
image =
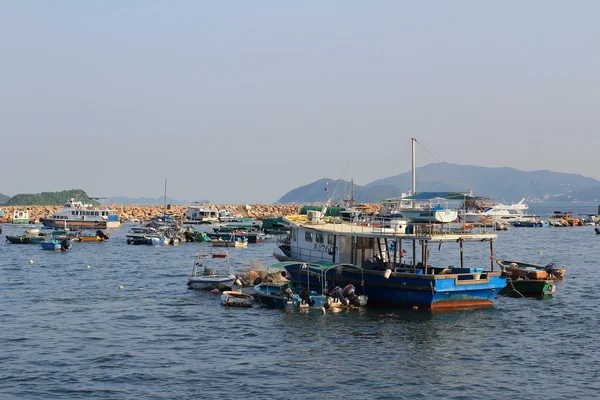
(70, 332)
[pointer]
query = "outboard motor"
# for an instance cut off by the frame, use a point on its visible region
(550, 269)
(338, 293)
(350, 294)
(64, 245)
(305, 295)
(101, 234)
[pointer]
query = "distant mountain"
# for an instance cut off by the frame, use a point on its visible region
(337, 190)
(145, 201)
(4, 198)
(503, 184)
(49, 198)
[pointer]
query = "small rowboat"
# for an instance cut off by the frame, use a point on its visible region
(530, 280)
(236, 299)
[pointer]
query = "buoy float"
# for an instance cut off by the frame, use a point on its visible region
(30, 261)
(140, 288)
(121, 287)
(89, 266)
(540, 252)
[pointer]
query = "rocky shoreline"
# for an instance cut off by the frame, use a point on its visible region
(257, 211)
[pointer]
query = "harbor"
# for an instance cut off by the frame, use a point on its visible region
(92, 314)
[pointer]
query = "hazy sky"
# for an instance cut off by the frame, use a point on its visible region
(242, 101)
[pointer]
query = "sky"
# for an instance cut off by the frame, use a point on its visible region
(242, 101)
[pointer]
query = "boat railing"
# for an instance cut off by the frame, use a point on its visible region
(389, 226)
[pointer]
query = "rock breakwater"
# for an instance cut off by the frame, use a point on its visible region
(257, 211)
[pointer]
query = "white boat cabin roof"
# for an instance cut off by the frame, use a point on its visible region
(336, 226)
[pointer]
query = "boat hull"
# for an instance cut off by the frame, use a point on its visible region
(409, 290)
(81, 224)
(25, 239)
(537, 288)
(207, 283)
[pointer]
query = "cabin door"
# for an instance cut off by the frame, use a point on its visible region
(345, 249)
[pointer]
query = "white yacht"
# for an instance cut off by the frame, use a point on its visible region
(201, 213)
(493, 212)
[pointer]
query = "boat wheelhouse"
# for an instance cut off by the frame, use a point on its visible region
(20, 217)
(75, 214)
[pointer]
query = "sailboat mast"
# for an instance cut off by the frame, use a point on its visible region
(414, 167)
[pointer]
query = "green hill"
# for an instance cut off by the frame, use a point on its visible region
(49, 198)
(4, 198)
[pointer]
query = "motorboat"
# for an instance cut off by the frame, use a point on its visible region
(211, 270)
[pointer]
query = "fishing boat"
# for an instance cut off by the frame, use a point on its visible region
(99, 236)
(25, 239)
(231, 298)
(530, 280)
(233, 240)
(20, 217)
(75, 214)
(56, 244)
(375, 253)
(147, 239)
(191, 235)
(212, 270)
(201, 213)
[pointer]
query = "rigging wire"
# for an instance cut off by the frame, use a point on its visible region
(339, 179)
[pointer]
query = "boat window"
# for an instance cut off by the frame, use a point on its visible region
(330, 239)
(294, 234)
(308, 236)
(319, 238)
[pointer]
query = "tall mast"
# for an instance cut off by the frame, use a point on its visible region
(165, 203)
(414, 167)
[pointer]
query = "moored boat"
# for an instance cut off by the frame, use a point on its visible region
(231, 298)
(211, 270)
(375, 255)
(20, 217)
(56, 244)
(25, 239)
(530, 280)
(75, 214)
(201, 213)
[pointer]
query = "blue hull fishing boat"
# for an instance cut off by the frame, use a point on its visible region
(55, 244)
(371, 251)
(442, 288)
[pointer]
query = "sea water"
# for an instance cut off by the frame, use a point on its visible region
(127, 327)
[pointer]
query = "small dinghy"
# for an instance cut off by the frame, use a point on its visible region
(236, 299)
